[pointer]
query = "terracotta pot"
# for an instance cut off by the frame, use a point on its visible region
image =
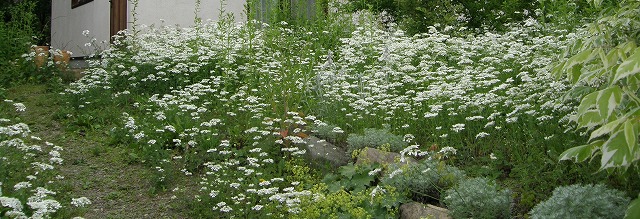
(42, 55)
(62, 59)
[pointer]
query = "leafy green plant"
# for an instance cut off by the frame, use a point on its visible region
(424, 181)
(478, 198)
(328, 132)
(375, 202)
(582, 201)
(351, 177)
(605, 64)
(375, 138)
(15, 39)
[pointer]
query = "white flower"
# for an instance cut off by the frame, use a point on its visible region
(375, 171)
(482, 135)
(377, 190)
(458, 127)
(213, 193)
(12, 203)
(394, 173)
(493, 156)
(80, 202)
(20, 107)
(22, 185)
(257, 207)
(226, 209)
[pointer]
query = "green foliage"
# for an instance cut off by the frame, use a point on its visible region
(424, 181)
(375, 138)
(15, 40)
(607, 60)
(415, 16)
(582, 201)
(351, 177)
(494, 14)
(293, 12)
(568, 14)
(375, 202)
(328, 132)
(29, 175)
(478, 198)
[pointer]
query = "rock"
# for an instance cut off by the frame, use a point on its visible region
(323, 151)
(372, 155)
(416, 210)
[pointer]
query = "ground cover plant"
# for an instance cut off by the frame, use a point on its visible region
(30, 179)
(227, 105)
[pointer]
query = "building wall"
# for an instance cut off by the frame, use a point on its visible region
(68, 24)
(182, 12)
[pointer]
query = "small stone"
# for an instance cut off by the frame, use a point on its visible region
(321, 150)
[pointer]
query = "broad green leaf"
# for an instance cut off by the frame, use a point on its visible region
(615, 152)
(625, 49)
(630, 66)
(607, 129)
(628, 46)
(575, 73)
(597, 3)
(590, 119)
(587, 103)
(557, 70)
(577, 46)
(608, 100)
(578, 92)
(633, 211)
(581, 153)
(591, 74)
(631, 135)
(611, 58)
(633, 82)
(579, 58)
(348, 171)
(361, 181)
(603, 57)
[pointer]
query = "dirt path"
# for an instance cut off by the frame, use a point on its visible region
(116, 187)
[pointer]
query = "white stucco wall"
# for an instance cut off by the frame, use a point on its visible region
(182, 12)
(68, 24)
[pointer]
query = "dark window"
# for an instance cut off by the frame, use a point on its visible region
(77, 3)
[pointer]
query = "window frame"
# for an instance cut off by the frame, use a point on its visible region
(78, 3)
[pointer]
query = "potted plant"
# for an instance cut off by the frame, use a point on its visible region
(41, 55)
(62, 58)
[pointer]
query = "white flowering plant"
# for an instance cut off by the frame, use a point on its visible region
(227, 103)
(29, 178)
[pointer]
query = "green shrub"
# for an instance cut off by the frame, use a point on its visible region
(415, 16)
(494, 14)
(354, 178)
(478, 198)
(15, 39)
(375, 202)
(582, 201)
(424, 181)
(328, 132)
(375, 138)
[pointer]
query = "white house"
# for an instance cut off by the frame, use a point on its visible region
(104, 18)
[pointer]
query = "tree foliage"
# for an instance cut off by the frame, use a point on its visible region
(606, 62)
